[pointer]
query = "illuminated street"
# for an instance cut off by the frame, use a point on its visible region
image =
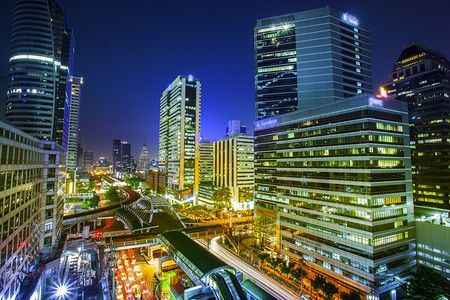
(276, 289)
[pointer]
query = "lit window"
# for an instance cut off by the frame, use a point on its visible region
(357, 56)
(358, 70)
(356, 36)
(355, 29)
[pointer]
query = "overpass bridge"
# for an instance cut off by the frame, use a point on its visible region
(213, 277)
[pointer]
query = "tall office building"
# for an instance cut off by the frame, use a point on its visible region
(38, 95)
(234, 168)
(143, 164)
(235, 127)
(333, 189)
(179, 130)
(31, 200)
(206, 168)
(310, 58)
(117, 155)
(88, 161)
(127, 159)
(74, 122)
(421, 78)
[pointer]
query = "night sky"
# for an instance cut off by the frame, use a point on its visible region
(129, 51)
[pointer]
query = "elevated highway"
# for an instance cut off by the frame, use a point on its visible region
(84, 216)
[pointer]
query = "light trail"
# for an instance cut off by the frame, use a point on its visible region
(267, 283)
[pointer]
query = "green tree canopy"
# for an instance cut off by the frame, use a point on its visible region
(353, 295)
(329, 289)
(94, 201)
(134, 181)
(425, 283)
(112, 194)
(222, 198)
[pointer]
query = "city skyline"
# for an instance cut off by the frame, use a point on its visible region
(221, 36)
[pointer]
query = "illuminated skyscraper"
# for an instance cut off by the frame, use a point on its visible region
(74, 122)
(38, 95)
(143, 164)
(117, 155)
(179, 130)
(310, 58)
(234, 169)
(333, 190)
(421, 78)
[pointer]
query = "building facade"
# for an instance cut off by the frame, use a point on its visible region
(309, 58)
(333, 189)
(74, 124)
(234, 169)
(38, 95)
(31, 203)
(117, 155)
(206, 173)
(179, 130)
(421, 79)
(88, 161)
(235, 127)
(143, 164)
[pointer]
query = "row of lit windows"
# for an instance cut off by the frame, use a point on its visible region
(382, 164)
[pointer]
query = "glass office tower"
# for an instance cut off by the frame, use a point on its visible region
(310, 58)
(38, 95)
(333, 190)
(421, 78)
(179, 129)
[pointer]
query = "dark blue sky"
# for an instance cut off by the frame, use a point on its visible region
(129, 51)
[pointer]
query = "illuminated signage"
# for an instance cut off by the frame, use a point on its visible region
(266, 123)
(190, 78)
(348, 18)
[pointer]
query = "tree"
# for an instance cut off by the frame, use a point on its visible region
(353, 295)
(425, 283)
(112, 194)
(134, 181)
(318, 283)
(94, 201)
(222, 198)
(329, 289)
(263, 257)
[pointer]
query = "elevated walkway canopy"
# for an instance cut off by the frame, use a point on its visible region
(195, 257)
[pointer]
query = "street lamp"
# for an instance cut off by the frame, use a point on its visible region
(61, 291)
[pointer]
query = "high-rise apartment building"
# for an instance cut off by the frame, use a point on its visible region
(234, 169)
(310, 58)
(421, 79)
(333, 189)
(179, 130)
(31, 200)
(74, 122)
(38, 95)
(235, 127)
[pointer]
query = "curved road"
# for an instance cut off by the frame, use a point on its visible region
(267, 283)
(132, 196)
